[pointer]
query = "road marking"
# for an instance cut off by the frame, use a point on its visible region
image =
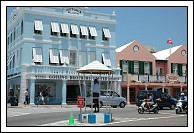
(13, 114)
(120, 120)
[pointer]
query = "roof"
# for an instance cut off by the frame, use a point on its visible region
(95, 67)
(164, 54)
(123, 47)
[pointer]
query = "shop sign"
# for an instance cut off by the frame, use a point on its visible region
(80, 101)
(73, 10)
(172, 77)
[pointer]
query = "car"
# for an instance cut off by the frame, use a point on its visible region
(165, 99)
(115, 99)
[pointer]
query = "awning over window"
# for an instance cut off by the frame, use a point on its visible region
(37, 54)
(54, 58)
(38, 25)
(74, 29)
(64, 28)
(84, 30)
(64, 56)
(54, 27)
(106, 59)
(106, 32)
(93, 31)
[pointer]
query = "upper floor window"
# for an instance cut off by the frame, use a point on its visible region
(146, 68)
(83, 32)
(64, 30)
(22, 28)
(105, 34)
(184, 70)
(73, 58)
(91, 56)
(92, 33)
(175, 68)
(64, 57)
(14, 34)
(54, 28)
(106, 59)
(54, 56)
(125, 66)
(37, 55)
(136, 67)
(82, 58)
(38, 27)
(74, 31)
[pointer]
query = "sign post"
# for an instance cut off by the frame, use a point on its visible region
(80, 102)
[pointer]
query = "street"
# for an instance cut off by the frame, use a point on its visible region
(124, 117)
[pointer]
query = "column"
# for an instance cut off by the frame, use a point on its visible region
(162, 88)
(32, 91)
(181, 89)
(146, 87)
(119, 87)
(128, 95)
(64, 91)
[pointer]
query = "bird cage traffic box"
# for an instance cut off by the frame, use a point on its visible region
(94, 69)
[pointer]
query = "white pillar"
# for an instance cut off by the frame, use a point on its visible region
(64, 91)
(128, 95)
(32, 91)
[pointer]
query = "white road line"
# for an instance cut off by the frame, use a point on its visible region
(13, 114)
(121, 120)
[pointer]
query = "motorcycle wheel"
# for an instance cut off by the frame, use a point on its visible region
(140, 111)
(178, 111)
(156, 111)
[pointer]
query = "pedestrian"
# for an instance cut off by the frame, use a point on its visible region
(96, 95)
(26, 97)
(41, 97)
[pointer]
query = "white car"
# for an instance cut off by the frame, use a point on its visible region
(115, 99)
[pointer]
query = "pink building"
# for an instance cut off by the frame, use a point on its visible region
(164, 70)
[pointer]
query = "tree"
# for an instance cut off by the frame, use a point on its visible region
(151, 49)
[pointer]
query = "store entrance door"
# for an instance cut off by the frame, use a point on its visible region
(72, 93)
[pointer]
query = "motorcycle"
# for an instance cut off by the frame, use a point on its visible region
(180, 107)
(143, 108)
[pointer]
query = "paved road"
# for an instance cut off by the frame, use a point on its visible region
(124, 117)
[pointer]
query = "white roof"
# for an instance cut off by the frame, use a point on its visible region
(164, 54)
(123, 47)
(96, 68)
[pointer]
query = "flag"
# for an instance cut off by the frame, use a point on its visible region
(169, 41)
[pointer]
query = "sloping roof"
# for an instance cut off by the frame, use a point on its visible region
(96, 68)
(164, 54)
(123, 47)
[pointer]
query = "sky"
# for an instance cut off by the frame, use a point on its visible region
(150, 25)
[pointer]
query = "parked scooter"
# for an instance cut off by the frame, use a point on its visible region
(143, 107)
(181, 107)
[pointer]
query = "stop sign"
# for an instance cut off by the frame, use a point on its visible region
(80, 101)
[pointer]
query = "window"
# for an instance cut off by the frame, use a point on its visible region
(83, 32)
(105, 34)
(91, 56)
(64, 56)
(125, 66)
(146, 68)
(14, 34)
(73, 57)
(74, 31)
(10, 59)
(38, 28)
(22, 28)
(64, 30)
(54, 28)
(175, 69)
(105, 59)
(184, 70)
(54, 57)
(82, 58)
(136, 67)
(11, 38)
(92, 33)
(37, 55)
(13, 64)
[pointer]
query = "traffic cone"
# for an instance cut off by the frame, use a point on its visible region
(71, 119)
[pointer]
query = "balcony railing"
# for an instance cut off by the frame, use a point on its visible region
(155, 78)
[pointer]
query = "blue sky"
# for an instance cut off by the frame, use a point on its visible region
(149, 25)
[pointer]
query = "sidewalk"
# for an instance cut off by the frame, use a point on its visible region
(40, 106)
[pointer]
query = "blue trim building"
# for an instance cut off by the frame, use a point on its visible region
(46, 45)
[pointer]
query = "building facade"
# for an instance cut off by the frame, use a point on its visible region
(164, 70)
(46, 45)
